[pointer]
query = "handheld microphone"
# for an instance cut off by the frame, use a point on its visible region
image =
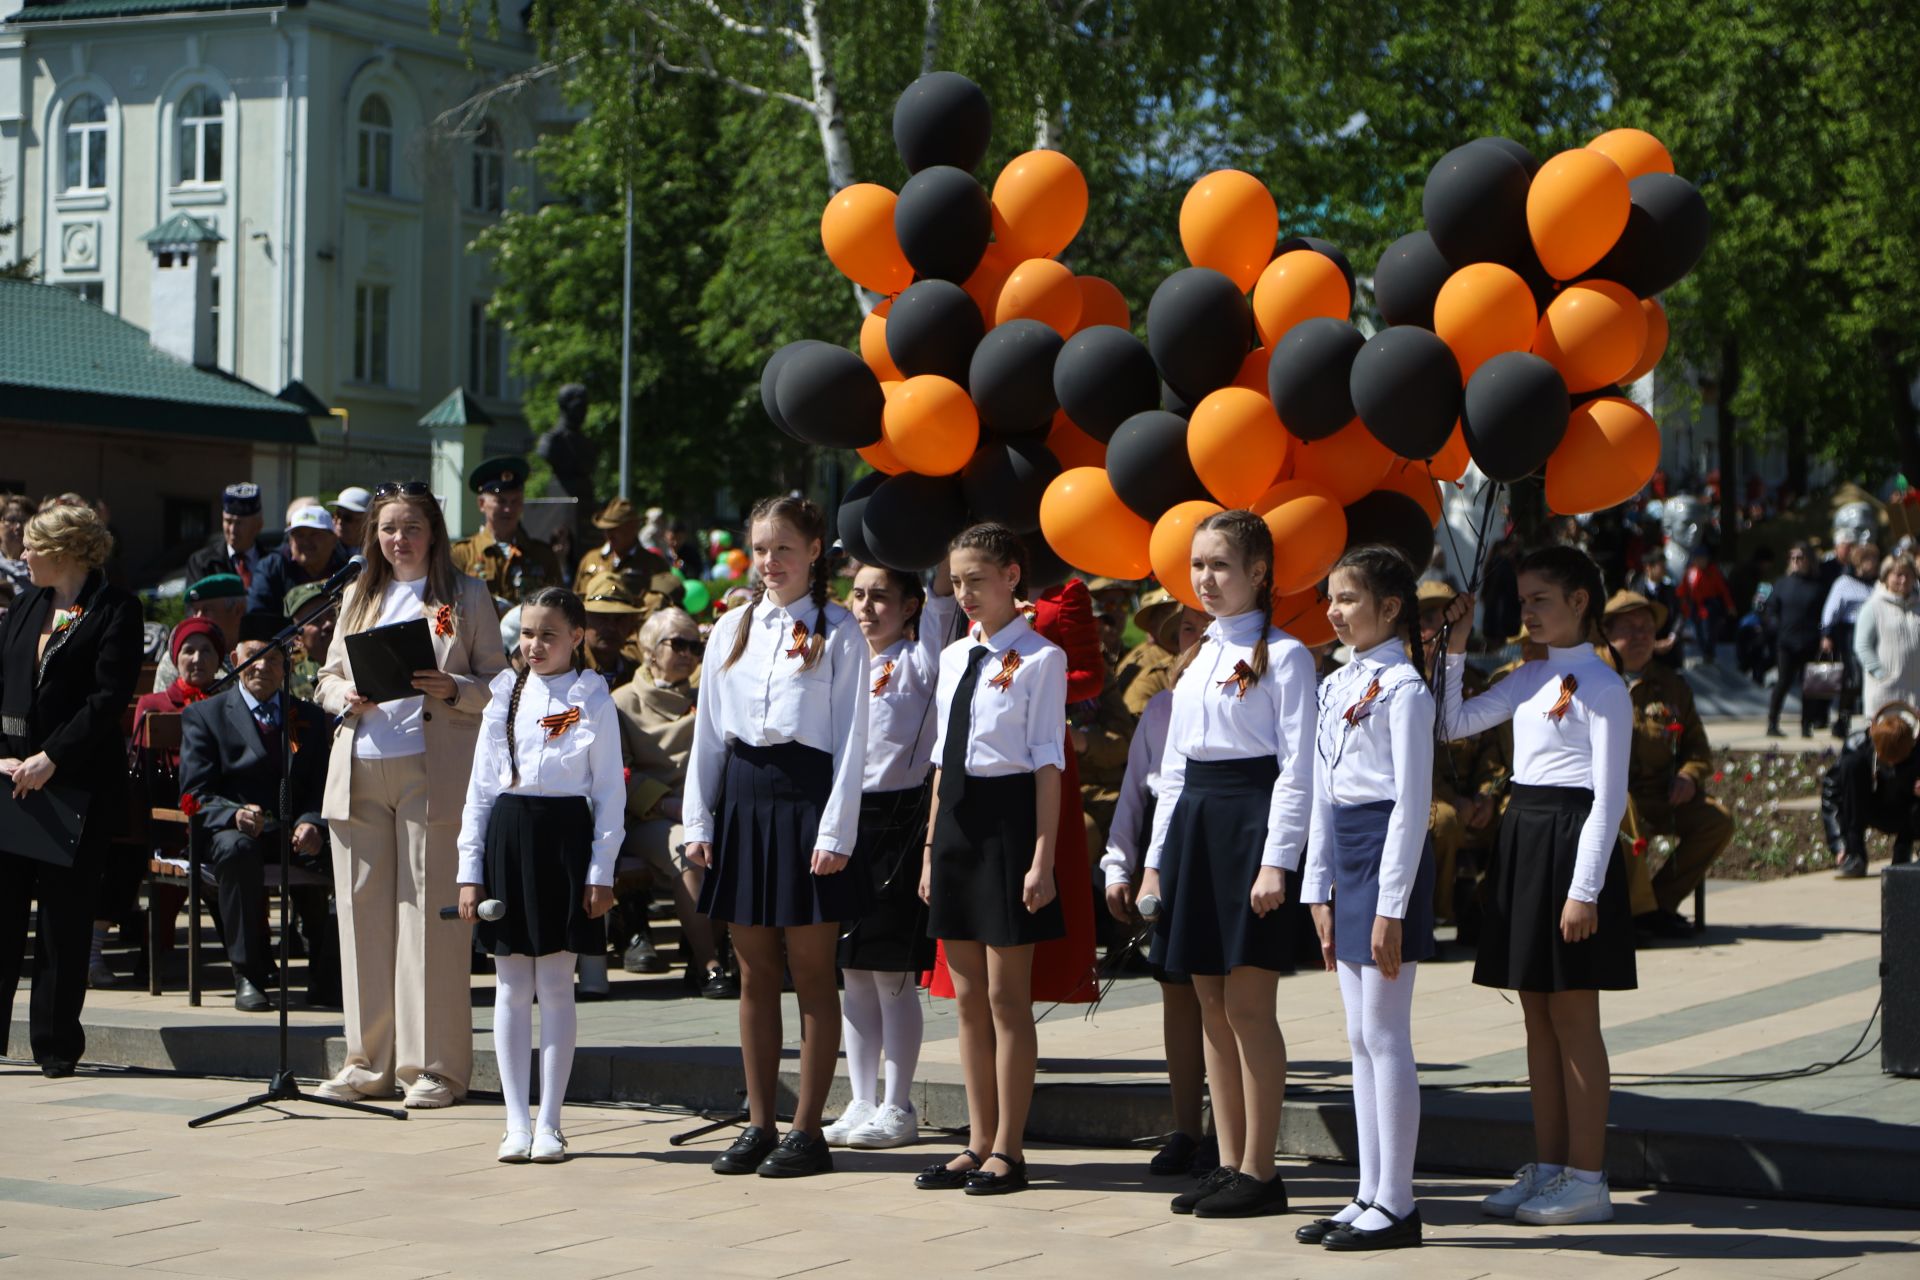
(1148, 906)
(490, 910)
(344, 574)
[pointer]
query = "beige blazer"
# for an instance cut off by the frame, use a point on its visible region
(472, 656)
(656, 736)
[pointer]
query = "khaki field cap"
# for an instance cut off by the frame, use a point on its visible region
(1631, 602)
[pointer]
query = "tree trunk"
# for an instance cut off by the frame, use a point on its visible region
(1729, 453)
(835, 146)
(1901, 414)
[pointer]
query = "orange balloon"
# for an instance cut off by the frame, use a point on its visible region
(1101, 302)
(881, 459)
(1593, 333)
(988, 279)
(1347, 464)
(1253, 370)
(873, 344)
(1040, 289)
(931, 425)
(1303, 615)
(1483, 310)
(1410, 477)
(1608, 454)
(1228, 222)
(1237, 444)
(1171, 548)
(857, 230)
(1634, 150)
(1453, 459)
(1297, 286)
(1072, 446)
(1656, 344)
(1576, 208)
(1088, 526)
(1039, 202)
(1309, 530)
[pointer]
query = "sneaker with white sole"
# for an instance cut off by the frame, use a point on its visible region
(1567, 1201)
(890, 1126)
(1528, 1181)
(340, 1089)
(516, 1147)
(858, 1112)
(429, 1092)
(549, 1146)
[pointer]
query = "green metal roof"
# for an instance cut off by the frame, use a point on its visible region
(182, 228)
(458, 410)
(68, 10)
(65, 362)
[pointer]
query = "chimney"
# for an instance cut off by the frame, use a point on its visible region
(180, 317)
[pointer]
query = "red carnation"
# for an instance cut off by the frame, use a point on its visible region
(626, 773)
(1640, 847)
(1676, 728)
(1720, 776)
(189, 804)
(1748, 778)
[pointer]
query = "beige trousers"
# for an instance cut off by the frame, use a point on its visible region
(404, 972)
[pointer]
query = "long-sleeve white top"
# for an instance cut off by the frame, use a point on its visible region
(771, 697)
(1019, 725)
(1271, 718)
(1586, 747)
(901, 723)
(1373, 743)
(1843, 601)
(1126, 841)
(583, 759)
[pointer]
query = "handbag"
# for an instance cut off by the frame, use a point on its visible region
(1823, 679)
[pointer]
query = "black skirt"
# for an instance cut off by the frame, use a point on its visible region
(1521, 947)
(982, 850)
(1359, 835)
(537, 853)
(892, 937)
(764, 830)
(1212, 855)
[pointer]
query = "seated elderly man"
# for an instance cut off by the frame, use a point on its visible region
(311, 554)
(219, 598)
(230, 763)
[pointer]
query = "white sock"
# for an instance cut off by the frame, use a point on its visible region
(861, 1029)
(1393, 1088)
(1592, 1177)
(902, 1024)
(559, 1028)
(1349, 1212)
(1546, 1170)
(513, 1035)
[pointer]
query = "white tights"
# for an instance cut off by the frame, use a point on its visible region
(881, 1011)
(1386, 1088)
(513, 996)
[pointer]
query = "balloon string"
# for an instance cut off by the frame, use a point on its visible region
(1480, 532)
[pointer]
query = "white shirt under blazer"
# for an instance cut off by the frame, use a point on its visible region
(901, 723)
(1385, 752)
(1586, 747)
(1018, 728)
(769, 698)
(1125, 846)
(1274, 718)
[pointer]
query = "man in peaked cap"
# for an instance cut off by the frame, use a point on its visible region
(621, 552)
(513, 565)
(613, 622)
(221, 600)
(235, 549)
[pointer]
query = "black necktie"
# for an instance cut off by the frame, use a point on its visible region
(953, 758)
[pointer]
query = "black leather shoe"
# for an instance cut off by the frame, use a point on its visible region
(1316, 1231)
(720, 985)
(1175, 1157)
(798, 1156)
(752, 1146)
(937, 1177)
(1403, 1233)
(1853, 869)
(641, 957)
(1245, 1197)
(982, 1182)
(1210, 1184)
(56, 1068)
(248, 997)
(1667, 925)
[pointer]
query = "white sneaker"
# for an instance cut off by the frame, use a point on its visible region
(1528, 1181)
(549, 1146)
(889, 1127)
(429, 1092)
(1567, 1201)
(340, 1089)
(858, 1112)
(515, 1146)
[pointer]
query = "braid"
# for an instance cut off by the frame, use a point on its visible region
(1263, 592)
(1186, 659)
(744, 630)
(804, 518)
(513, 713)
(821, 578)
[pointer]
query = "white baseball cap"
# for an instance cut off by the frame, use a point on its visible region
(310, 518)
(354, 499)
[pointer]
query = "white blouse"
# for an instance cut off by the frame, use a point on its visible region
(392, 730)
(1020, 725)
(1587, 746)
(1374, 744)
(770, 697)
(1121, 861)
(1274, 718)
(582, 759)
(900, 721)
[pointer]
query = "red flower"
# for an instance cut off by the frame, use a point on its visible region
(189, 804)
(1640, 847)
(1747, 778)
(1720, 776)
(1676, 728)
(626, 773)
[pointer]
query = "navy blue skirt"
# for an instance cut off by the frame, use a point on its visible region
(1214, 842)
(1359, 835)
(764, 828)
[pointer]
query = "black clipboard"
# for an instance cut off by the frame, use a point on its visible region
(46, 826)
(385, 658)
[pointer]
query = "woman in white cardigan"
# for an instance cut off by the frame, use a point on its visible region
(1886, 637)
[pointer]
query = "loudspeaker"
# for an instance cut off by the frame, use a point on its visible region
(1900, 970)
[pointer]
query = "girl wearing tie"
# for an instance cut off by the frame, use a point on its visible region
(1557, 927)
(987, 874)
(1235, 796)
(772, 811)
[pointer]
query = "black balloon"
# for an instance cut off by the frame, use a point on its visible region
(1475, 206)
(1004, 482)
(942, 220)
(1326, 249)
(1103, 376)
(1045, 568)
(910, 518)
(942, 118)
(1011, 376)
(1198, 326)
(846, 520)
(1148, 465)
(1514, 415)
(933, 328)
(1393, 520)
(1406, 388)
(1528, 161)
(828, 396)
(770, 380)
(1407, 279)
(1665, 235)
(1173, 402)
(1308, 376)
(1612, 391)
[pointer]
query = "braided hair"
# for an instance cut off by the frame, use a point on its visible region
(1571, 570)
(805, 519)
(1389, 575)
(999, 544)
(575, 613)
(1248, 534)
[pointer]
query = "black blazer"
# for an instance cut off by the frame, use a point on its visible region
(70, 701)
(212, 559)
(224, 764)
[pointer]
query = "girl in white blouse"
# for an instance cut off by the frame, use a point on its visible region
(1371, 857)
(772, 811)
(1558, 926)
(1235, 797)
(545, 815)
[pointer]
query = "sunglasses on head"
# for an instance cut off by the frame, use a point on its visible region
(405, 489)
(688, 648)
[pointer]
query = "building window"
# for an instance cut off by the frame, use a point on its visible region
(374, 152)
(85, 152)
(92, 290)
(201, 138)
(489, 186)
(486, 353)
(372, 307)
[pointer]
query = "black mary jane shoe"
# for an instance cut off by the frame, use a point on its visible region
(747, 1152)
(982, 1183)
(938, 1177)
(1315, 1232)
(1400, 1233)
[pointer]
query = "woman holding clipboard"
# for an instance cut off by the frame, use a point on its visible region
(396, 785)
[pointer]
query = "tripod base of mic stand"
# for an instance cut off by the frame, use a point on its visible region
(284, 1088)
(716, 1121)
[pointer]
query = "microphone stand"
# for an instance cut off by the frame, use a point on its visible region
(283, 1087)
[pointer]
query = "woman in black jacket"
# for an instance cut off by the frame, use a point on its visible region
(1793, 614)
(70, 653)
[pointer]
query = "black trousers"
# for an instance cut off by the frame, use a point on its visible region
(1792, 663)
(239, 865)
(63, 933)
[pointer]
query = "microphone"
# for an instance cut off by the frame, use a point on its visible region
(490, 910)
(1148, 906)
(343, 575)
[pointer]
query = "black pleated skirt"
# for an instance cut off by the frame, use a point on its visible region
(892, 937)
(982, 850)
(764, 830)
(1207, 869)
(1521, 948)
(1359, 836)
(537, 853)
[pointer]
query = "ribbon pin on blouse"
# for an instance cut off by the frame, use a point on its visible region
(64, 618)
(1009, 663)
(560, 721)
(799, 649)
(886, 678)
(1558, 711)
(1242, 676)
(443, 620)
(1359, 711)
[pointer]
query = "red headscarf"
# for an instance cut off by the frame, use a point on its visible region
(180, 693)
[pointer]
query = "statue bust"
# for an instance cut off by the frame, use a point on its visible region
(1687, 520)
(571, 455)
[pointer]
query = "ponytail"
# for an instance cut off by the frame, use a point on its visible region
(1572, 569)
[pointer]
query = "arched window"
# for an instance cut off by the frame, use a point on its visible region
(488, 192)
(84, 152)
(374, 147)
(201, 138)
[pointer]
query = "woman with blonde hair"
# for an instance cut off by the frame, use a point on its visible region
(1886, 637)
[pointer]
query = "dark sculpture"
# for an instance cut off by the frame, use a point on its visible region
(572, 456)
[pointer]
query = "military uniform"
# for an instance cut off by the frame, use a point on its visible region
(1463, 771)
(1670, 741)
(511, 572)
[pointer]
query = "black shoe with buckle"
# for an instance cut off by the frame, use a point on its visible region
(1316, 1231)
(1245, 1197)
(1211, 1184)
(748, 1150)
(1400, 1233)
(720, 985)
(938, 1177)
(983, 1182)
(798, 1155)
